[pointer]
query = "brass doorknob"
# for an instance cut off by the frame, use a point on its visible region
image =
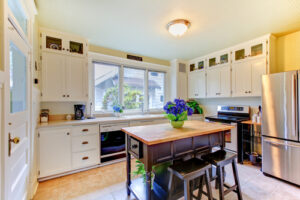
(15, 140)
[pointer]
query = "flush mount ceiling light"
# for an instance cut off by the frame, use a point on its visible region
(178, 27)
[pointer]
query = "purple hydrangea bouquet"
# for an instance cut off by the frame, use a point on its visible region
(177, 112)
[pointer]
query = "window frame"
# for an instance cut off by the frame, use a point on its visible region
(122, 62)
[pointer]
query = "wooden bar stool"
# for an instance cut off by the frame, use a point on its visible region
(188, 171)
(220, 159)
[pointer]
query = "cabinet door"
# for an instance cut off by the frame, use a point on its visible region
(201, 84)
(54, 151)
(53, 76)
(241, 78)
(225, 84)
(192, 84)
(213, 82)
(76, 79)
(258, 67)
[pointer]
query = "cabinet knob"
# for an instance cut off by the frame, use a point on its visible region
(68, 95)
(249, 91)
(63, 48)
(63, 95)
(134, 146)
(68, 133)
(85, 142)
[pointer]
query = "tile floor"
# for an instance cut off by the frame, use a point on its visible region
(108, 183)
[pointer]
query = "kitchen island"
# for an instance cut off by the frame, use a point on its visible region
(156, 144)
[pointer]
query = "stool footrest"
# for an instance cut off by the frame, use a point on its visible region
(230, 189)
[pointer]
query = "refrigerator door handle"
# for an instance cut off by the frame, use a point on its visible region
(281, 144)
(294, 104)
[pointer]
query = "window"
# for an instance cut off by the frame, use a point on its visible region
(127, 86)
(133, 88)
(156, 89)
(18, 12)
(106, 86)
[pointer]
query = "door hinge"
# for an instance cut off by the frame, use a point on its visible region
(41, 94)
(40, 46)
(39, 172)
(40, 34)
(39, 134)
(41, 57)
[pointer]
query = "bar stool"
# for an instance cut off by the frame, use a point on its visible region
(220, 159)
(188, 171)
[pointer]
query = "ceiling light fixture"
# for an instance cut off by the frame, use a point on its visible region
(178, 27)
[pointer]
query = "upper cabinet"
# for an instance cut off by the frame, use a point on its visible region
(64, 67)
(197, 64)
(62, 43)
(236, 71)
(197, 84)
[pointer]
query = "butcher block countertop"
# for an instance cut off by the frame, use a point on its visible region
(160, 133)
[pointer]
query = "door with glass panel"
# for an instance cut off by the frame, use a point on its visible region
(16, 119)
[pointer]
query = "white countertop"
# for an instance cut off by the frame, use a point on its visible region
(101, 120)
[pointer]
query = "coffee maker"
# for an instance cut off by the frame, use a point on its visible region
(79, 111)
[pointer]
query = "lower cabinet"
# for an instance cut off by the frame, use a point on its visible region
(68, 148)
(54, 151)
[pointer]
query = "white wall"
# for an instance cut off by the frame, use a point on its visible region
(210, 105)
(60, 108)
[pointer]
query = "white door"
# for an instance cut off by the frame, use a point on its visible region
(241, 78)
(54, 151)
(225, 81)
(258, 67)
(213, 82)
(76, 75)
(53, 77)
(16, 118)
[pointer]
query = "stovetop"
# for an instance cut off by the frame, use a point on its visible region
(227, 118)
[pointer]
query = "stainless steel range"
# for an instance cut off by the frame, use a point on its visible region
(232, 115)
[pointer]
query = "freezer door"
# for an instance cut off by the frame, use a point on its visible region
(281, 159)
(279, 105)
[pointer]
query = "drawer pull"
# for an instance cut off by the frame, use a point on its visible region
(85, 130)
(85, 142)
(85, 158)
(134, 146)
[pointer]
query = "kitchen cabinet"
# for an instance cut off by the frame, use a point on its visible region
(197, 84)
(248, 50)
(64, 78)
(218, 81)
(246, 77)
(54, 41)
(54, 151)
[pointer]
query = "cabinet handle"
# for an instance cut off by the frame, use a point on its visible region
(249, 91)
(134, 146)
(63, 48)
(68, 133)
(68, 95)
(246, 92)
(85, 158)
(63, 95)
(67, 49)
(85, 142)
(85, 130)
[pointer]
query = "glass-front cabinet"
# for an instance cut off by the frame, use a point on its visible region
(251, 49)
(197, 64)
(219, 58)
(56, 42)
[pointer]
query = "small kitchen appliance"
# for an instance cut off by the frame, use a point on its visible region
(232, 115)
(79, 111)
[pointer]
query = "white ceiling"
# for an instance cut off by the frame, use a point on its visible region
(139, 26)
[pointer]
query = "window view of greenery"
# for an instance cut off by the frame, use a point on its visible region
(106, 86)
(133, 88)
(156, 89)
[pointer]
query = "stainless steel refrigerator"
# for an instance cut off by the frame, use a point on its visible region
(280, 125)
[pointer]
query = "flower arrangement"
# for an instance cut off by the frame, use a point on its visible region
(118, 110)
(177, 112)
(195, 105)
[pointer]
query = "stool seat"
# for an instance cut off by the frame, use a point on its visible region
(189, 168)
(219, 158)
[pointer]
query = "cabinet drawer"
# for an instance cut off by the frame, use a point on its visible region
(85, 129)
(85, 142)
(85, 159)
(113, 127)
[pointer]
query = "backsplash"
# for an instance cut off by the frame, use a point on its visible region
(60, 108)
(210, 105)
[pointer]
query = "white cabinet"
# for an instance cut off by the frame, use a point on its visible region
(246, 77)
(197, 84)
(64, 78)
(54, 151)
(218, 81)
